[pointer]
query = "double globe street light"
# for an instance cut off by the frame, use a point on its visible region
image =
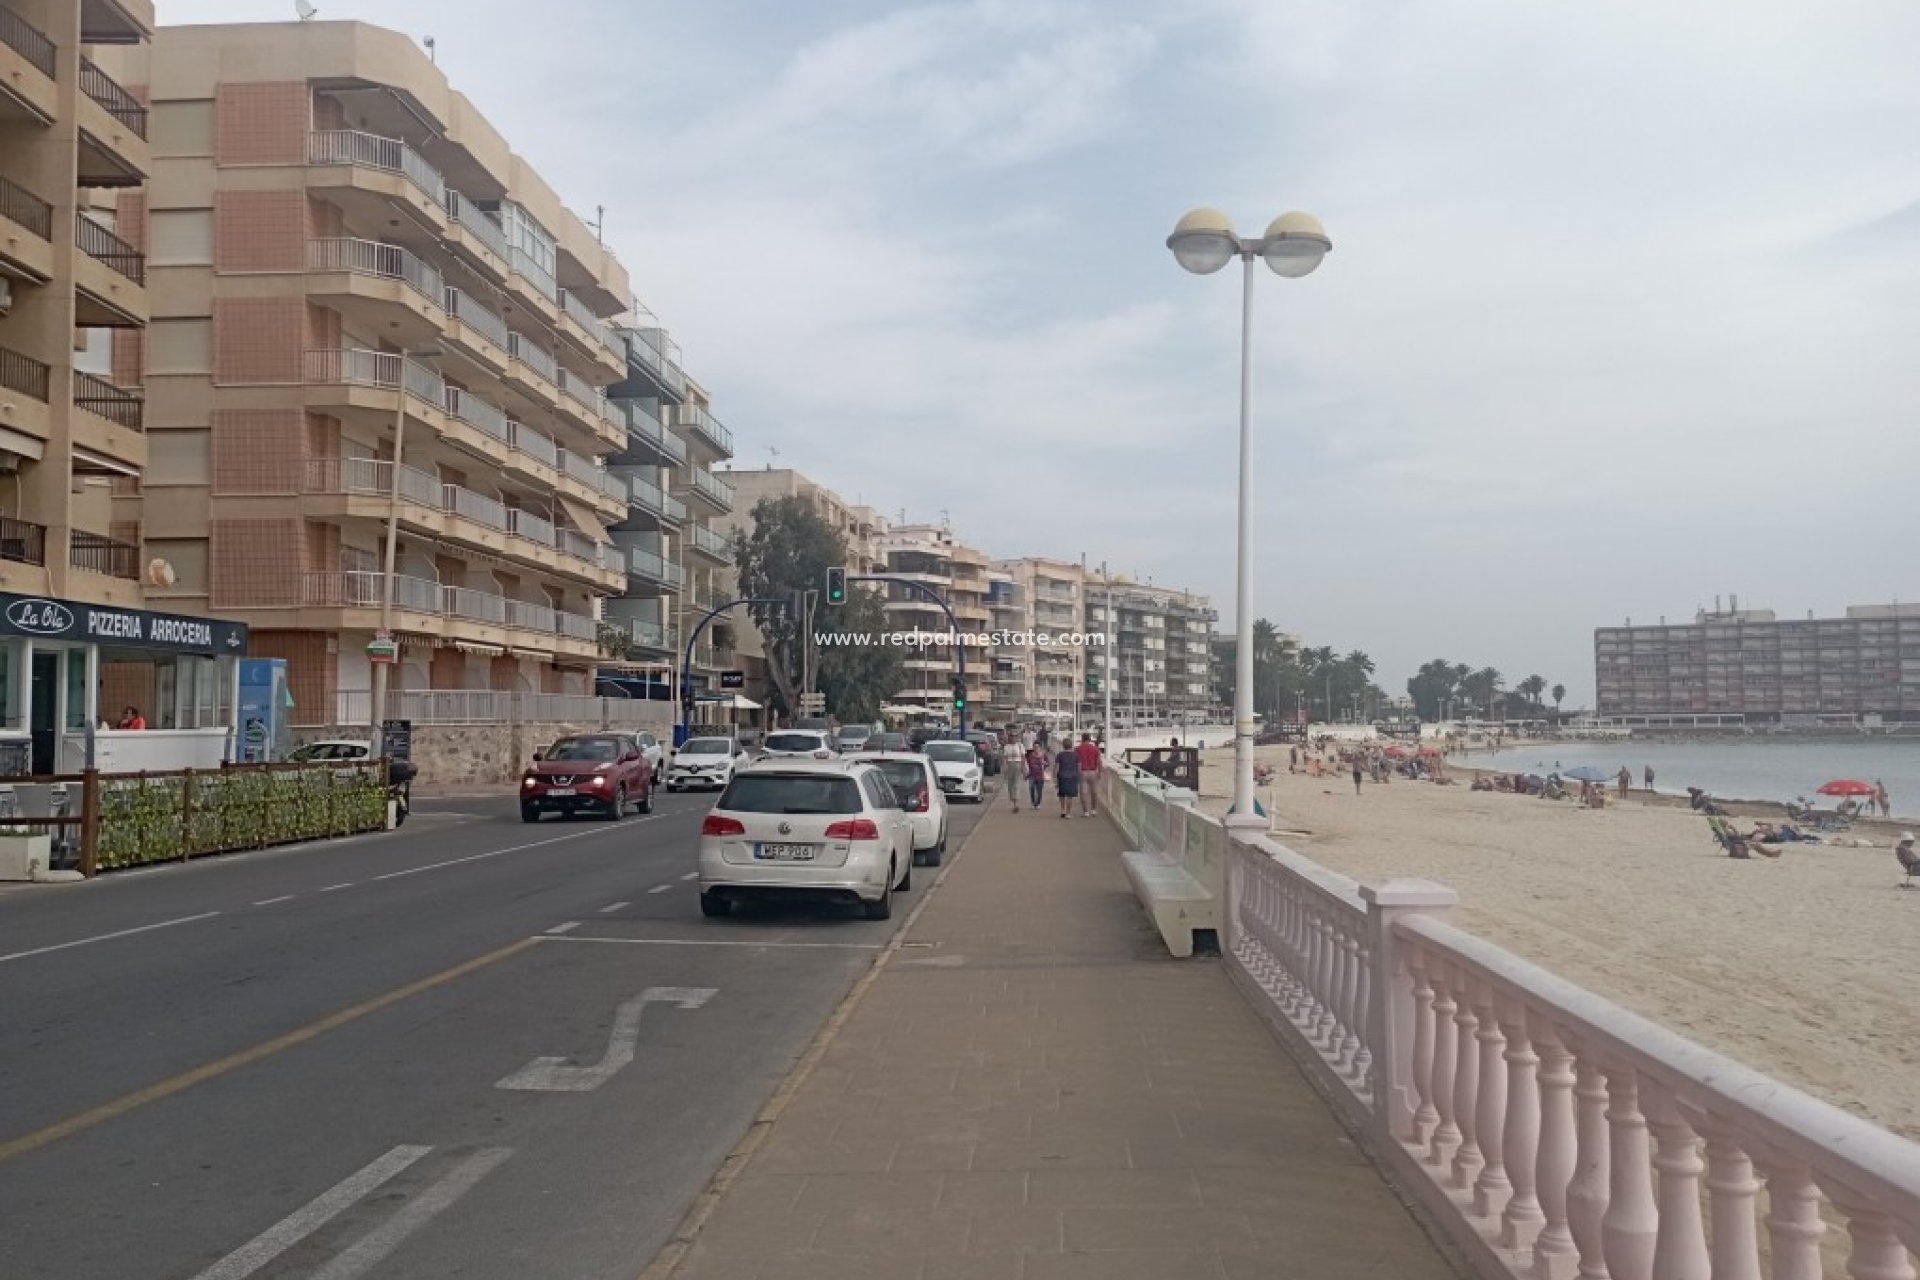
(1203, 242)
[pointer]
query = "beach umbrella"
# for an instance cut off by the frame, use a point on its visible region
(1430, 751)
(1847, 787)
(1586, 773)
(1397, 753)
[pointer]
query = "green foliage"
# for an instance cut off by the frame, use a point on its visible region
(168, 817)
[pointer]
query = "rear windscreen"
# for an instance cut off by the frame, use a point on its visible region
(792, 742)
(905, 776)
(803, 793)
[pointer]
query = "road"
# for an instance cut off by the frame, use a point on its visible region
(469, 1048)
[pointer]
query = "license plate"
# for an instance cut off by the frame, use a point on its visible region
(562, 791)
(949, 784)
(784, 852)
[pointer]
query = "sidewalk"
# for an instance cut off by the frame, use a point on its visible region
(1030, 1089)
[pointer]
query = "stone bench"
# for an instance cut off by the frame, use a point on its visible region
(1177, 901)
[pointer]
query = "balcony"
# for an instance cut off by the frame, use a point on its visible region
(649, 499)
(113, 99)
(647, 350)
(388, 288)
(646, 567)
(705, 542)
(104, 400)
(481, 415)
(26, 230)
(652, 635)
(525, 351)
(701, 422)
(533, 527)
(602, 343)
(22, 541)
(649, 443)
(711, 489)
(383, 155)
(329, 369)
(482, 225)
(462, 308)
(535, 444)
(27, 64)
(111, 278)
(362, 590)
(97, 553)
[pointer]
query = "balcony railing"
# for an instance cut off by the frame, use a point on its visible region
(534, 444)
(476, 606)
(359, 367)
(477, 220)
(104, 400)
(577, 545)
(372, 258)
(370, 150)
(648, 347)
(22, 541)
(575, 626)
(712, 543)
(593, 324)
(26, 40)
(119, 104)
(712, 487)
(477, 507)
(533, 527)
(532, 355)
(577, 390)
(23, 374)
(529, 616)
(23, 207)
(702, 422)
(653, 568)
(644, 422)
(652, 635)
(542, 279)
(463, 308)
(475, 412)
(98, 553)
(108, 249)
(646, 495)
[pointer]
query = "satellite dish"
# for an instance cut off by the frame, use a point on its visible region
(160, 573)
(305, 10)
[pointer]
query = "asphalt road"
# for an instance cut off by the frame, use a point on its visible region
(469, 1048)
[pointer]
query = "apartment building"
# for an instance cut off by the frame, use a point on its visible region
(1862, 667)
(673, 545)
(74, 161)
(929, 554)
(365, 300)
(1162, 652)
(1047, 596)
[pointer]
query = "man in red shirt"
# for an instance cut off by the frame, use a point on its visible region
(1089, 754)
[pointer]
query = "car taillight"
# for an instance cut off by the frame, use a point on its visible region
(919, 801)
(720, 825)
(858, 829)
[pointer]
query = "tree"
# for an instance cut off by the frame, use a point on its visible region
(1320, 663)
(1433, 687)
(1483, 686)
(1531, 688)
(615, 641)
(790, 548)
(1559, 696)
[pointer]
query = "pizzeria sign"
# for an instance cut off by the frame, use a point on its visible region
(43, 618)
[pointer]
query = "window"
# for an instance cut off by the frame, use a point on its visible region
(791, 793)
(188, 556)
(180, 346)
(183, 128)
(180, 238)
(179, 457)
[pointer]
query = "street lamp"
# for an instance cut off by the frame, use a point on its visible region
(377, 711)
(1203, 242)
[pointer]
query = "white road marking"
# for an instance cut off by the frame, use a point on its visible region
(494, 853)
(267, 902)
(557, 1075)
(612, 907)
(303, 1222)
(691, 875)
(559, 929)
(723, 942)
(371, 1249)
(103, 937)
(332, 887)
(660, 888)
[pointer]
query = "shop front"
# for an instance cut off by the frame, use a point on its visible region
(70, 670)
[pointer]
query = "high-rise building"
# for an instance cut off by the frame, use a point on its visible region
(1162, 653)
(365, 300)
(929, 554)
(1049, 595)
(1747, 662)
(75, 157)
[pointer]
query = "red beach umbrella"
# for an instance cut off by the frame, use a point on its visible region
(1847, 787)
(1397, 753)
(1430, 751)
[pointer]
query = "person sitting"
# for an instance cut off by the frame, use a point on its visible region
(1848, 808)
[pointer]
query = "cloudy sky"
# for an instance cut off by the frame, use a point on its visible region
(1622, 311)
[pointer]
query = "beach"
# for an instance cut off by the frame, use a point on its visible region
(1806, 966)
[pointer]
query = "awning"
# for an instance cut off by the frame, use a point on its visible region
(21, 443)
(721, 700)
(528, 653)
(468, 646)
(86, 460)
(588, 523)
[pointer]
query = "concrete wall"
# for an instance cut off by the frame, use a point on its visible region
(457, 756)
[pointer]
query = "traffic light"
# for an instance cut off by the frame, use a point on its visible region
(959, 696)
(836, 586)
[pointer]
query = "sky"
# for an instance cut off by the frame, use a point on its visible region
(1623, 310)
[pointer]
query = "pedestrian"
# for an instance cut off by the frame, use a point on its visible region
(1026, 738)
(1626, 781)
(1356, 775)
(1649, 777)
(1013, 762)
(1090, 762)
(131, 719)
(1881, 799)
(1036, 776)
(1066, 777)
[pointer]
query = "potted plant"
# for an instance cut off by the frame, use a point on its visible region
(22, 849)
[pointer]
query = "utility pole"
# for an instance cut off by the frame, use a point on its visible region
(1106, 683)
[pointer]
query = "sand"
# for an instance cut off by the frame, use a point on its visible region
(1806, 966)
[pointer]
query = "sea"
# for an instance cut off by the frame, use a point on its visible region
(1748, 770)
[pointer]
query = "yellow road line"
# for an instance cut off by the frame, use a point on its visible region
(232, 1062)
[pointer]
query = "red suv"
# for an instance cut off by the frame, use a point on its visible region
(605, 773)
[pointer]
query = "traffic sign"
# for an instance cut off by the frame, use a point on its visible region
(383, 648)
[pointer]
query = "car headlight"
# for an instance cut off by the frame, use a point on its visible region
(528, 781)
(973, 775)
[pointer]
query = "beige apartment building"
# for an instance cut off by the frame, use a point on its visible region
(1053, 678)
(74, 159)
(359, 288)
(1162, 652)
(929, 554)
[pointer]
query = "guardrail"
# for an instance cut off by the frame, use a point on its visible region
(106, 91)
(353, 147)
(1549, 1132)
(462, 307)
(26, 40)
(24, 374)
(117, 405)
(373, 258)
(533, 355)
(108, 249)
(21, 206)
(22, 541)
(475, 219)
(98, 553)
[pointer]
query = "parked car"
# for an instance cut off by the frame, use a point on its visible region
(957, 764)
(918, 788)
(851, 737)
(604, 773)
(799, 742)
(705, 762)
(821, 723)
(821, 828)
(331, 750)
(650, 748)
(887, 742)
(988, 745)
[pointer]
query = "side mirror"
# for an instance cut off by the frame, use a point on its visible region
(630, 757)
(539, 754)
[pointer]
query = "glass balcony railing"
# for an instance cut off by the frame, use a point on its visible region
(701, 422)
(711, 487)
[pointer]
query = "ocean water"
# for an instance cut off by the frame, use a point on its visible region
(1745, 770)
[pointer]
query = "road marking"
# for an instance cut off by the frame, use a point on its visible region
(332, 887)
(557, 1075)
(612, 907)
(723, 942)
(691, 875)
(369, 1250)
(660, 888)
(568, 927)
(187, 1079)
(267, 902)
(316, 1213)
(494, 853)
(103, 937)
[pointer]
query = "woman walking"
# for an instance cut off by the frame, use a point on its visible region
(1036, 775)
(1066, 777)
(1013, 764)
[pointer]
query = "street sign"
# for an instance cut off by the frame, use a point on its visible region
(733, 679)
(383, 648)
(815, 702)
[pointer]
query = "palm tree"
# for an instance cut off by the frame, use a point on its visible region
(1319, 663)
(1559, 696)
(1531, 688)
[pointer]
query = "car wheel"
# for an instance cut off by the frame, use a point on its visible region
(880, 908)
(646, 799)
(529, 813)
(618, 809)
(713, 906)
(906, 881)
(938, 852)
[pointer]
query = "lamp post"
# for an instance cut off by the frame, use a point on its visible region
(1203, 242)
(377, 710)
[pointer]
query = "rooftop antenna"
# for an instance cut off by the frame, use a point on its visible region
(599, 223)
(305, 10)
(428, 41)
